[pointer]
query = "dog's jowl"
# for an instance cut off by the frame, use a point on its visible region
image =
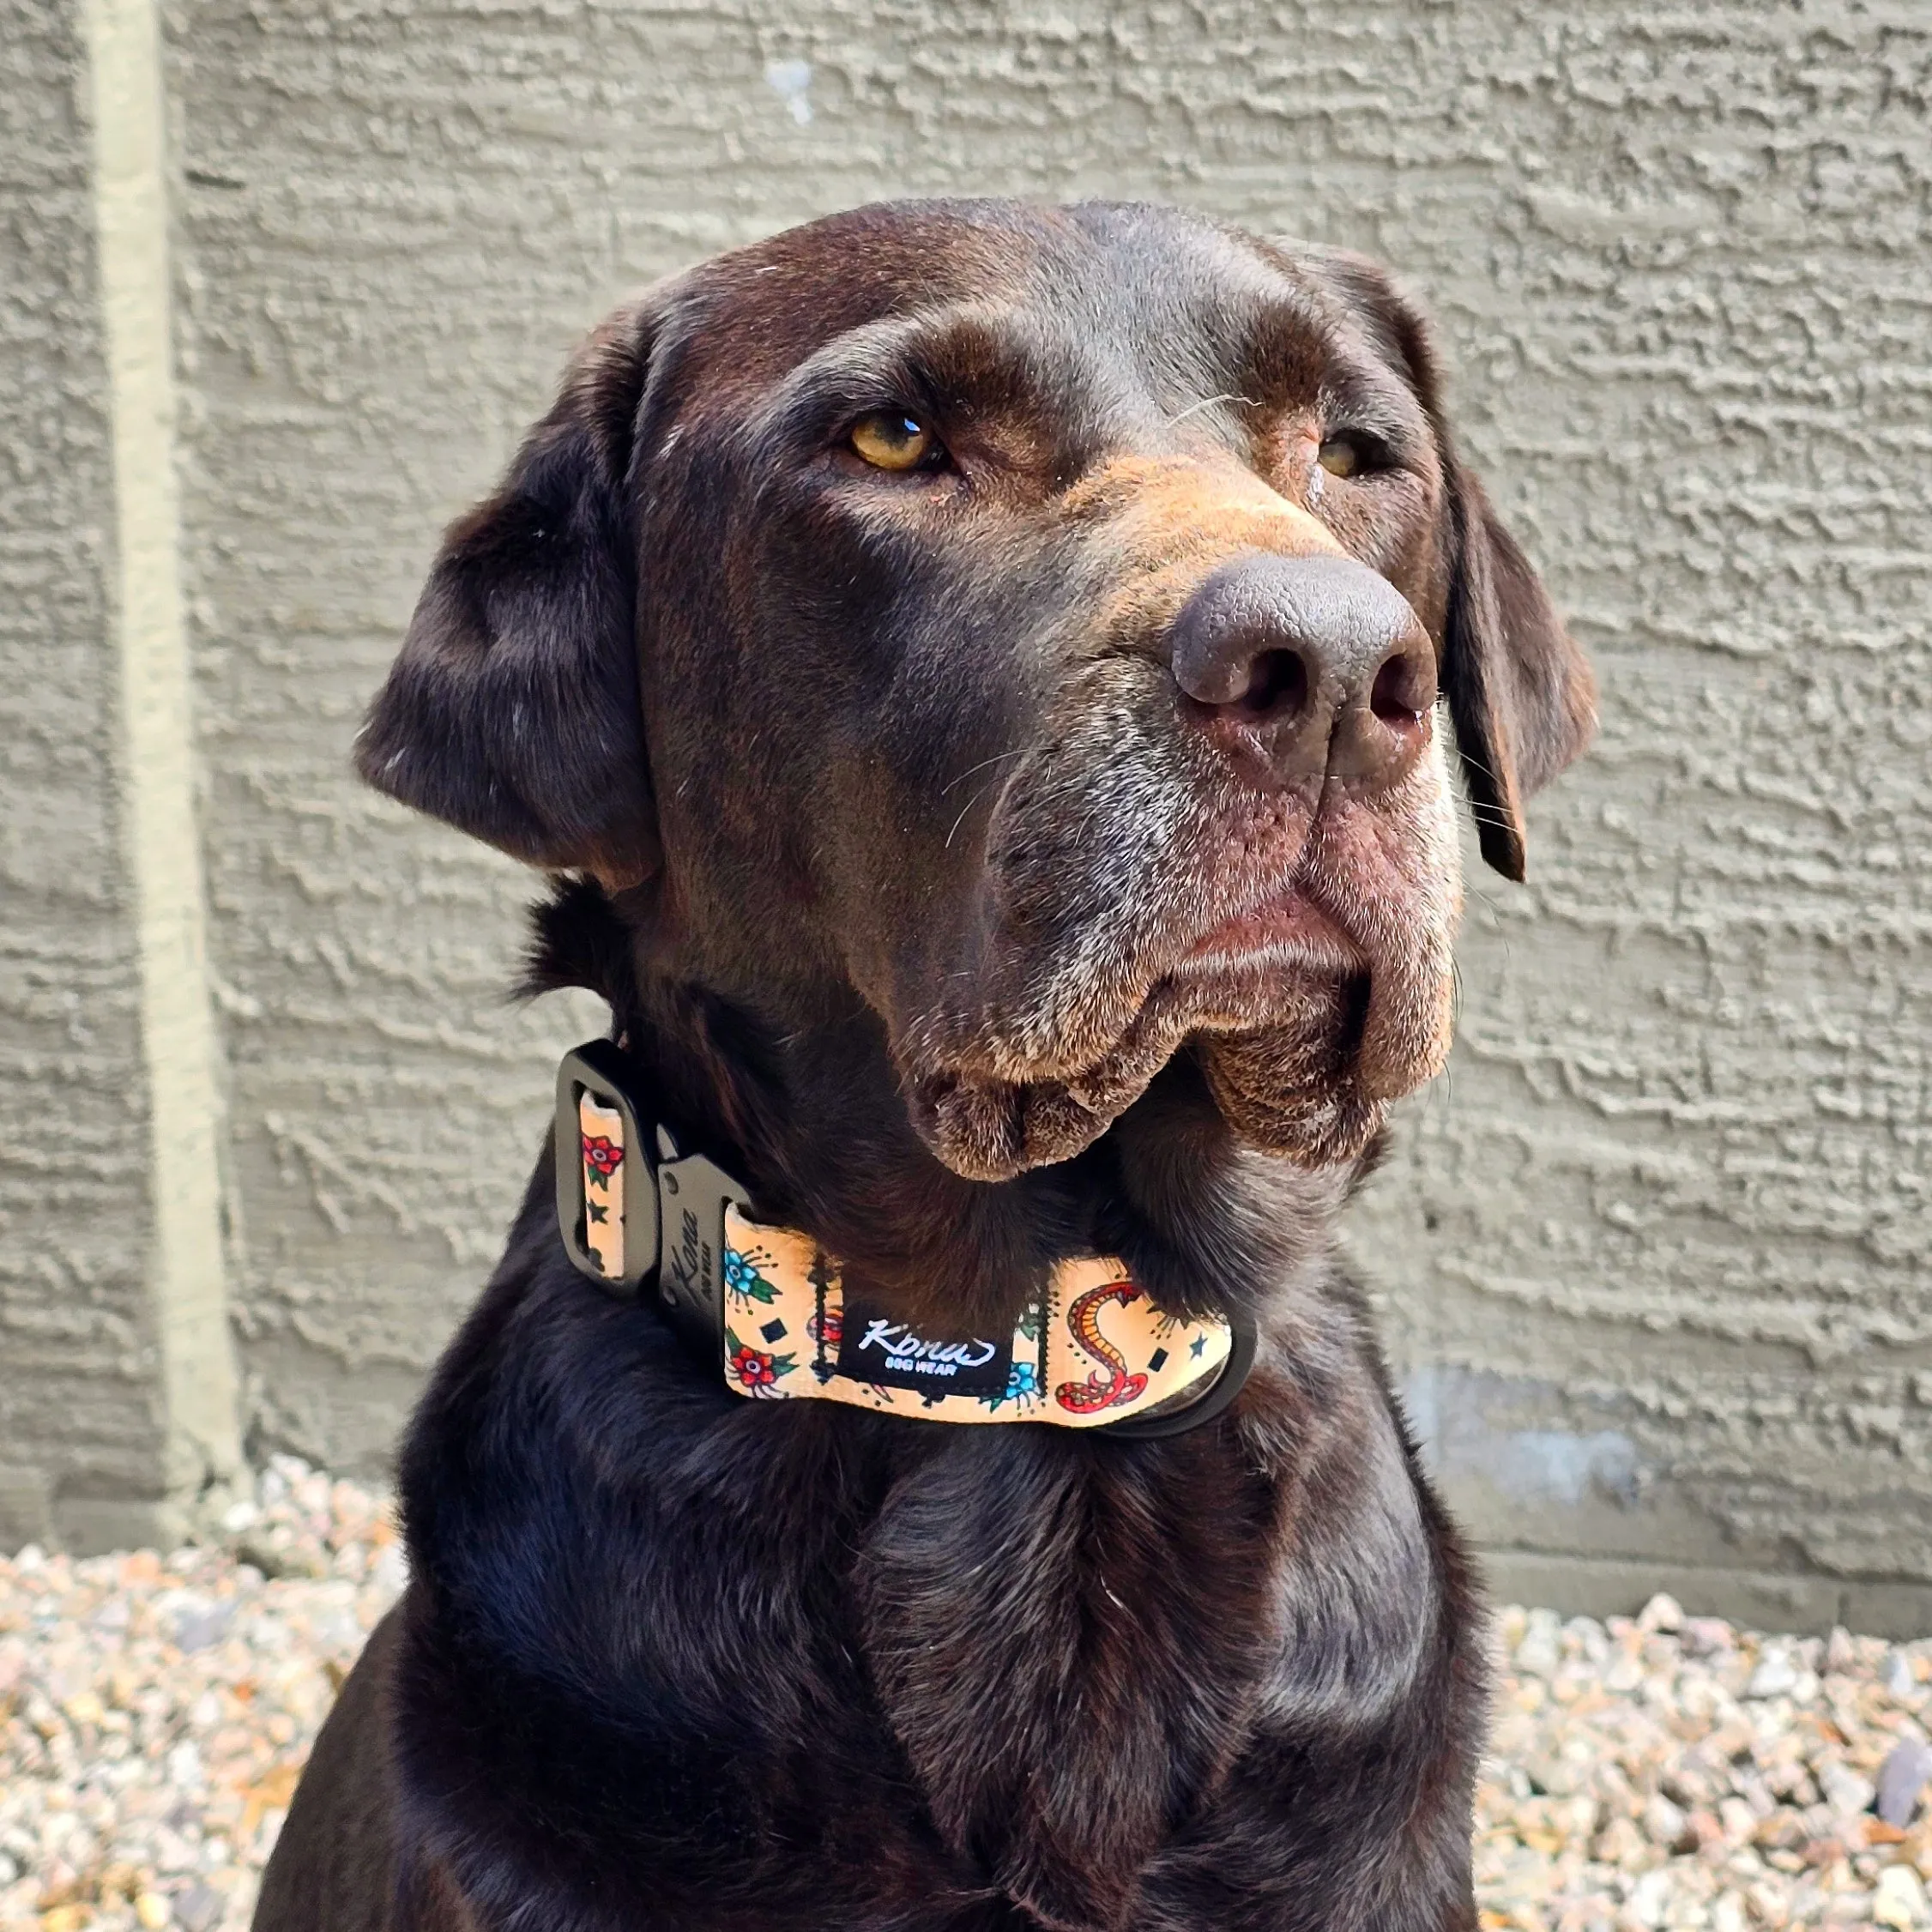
(981, 677)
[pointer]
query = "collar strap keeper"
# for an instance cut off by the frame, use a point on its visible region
(762, 1306)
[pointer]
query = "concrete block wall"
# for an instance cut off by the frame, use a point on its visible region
(1655, 1258)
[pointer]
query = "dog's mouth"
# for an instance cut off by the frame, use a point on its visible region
(1287, 929)
(1312, 982)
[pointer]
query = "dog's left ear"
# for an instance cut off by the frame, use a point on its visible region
(513, 711)
(1521, 692)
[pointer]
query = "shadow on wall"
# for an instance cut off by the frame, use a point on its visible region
(1588, 1519)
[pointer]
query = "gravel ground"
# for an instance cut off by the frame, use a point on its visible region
(1665, 1771)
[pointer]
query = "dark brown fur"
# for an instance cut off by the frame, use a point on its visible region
(852, 772)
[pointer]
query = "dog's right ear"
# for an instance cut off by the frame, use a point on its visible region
(1520, 690)
(513, 711)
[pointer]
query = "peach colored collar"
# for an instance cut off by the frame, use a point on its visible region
(771, 1311)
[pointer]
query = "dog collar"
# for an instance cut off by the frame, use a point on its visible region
(770, 1309)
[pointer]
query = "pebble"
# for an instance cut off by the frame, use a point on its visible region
(1776, 1676)
(1899, 1898)
(1646, 1774)
(156, 1708)
(1901, 1777)
(1713, 1778)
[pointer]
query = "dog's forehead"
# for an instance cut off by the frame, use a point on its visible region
(1121, 276)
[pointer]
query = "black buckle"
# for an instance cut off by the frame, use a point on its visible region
(1167, 1421)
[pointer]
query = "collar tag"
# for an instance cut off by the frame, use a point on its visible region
(874, 1349)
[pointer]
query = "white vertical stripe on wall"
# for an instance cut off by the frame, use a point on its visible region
(157, 780)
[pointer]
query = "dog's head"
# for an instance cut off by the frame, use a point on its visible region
(1032, 620)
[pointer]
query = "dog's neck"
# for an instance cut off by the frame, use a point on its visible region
(806, 1111)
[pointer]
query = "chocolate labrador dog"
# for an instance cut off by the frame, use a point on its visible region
(974, 669)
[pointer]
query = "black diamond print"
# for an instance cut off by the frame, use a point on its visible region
(773, 1331)
(1157, 1361)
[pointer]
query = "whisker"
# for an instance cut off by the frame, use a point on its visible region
(983, 763)
(967, 807)
(1208, 402)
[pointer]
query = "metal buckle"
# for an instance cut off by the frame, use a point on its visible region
(674, 1211)
(692, 1194)
(598, 1068)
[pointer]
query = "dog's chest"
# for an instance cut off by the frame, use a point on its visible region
(1068, 1647)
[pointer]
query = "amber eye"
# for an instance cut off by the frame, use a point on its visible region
(1340, 456)
(890, 439)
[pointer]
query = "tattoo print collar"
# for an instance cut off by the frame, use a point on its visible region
(1092, 1351)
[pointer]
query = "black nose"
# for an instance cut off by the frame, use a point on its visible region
(1313, 664)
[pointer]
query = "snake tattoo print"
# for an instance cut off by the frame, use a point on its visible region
(1100, 1391)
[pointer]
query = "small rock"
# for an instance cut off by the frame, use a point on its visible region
(1899, 1682)
(1846, 1791)
(1537, 1655)
(1667, 1824)
(1620, 1844)
(1703, 1832)
(1663, 1613)
(201, 1621)
(198, 1908)
(152, 1910)
(184, 1766)
(1625, 1674)
(1776, 1676)
(1899, 1899)
(1729, 1914)
(1707, 1636)
(1586, 1638)
(1901, 1777)
(1737, 1821)
(1551, 1775)
(1650, 1899)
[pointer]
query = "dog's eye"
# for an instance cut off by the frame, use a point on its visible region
(1354, 452)
(890, 439)
(1341, 455)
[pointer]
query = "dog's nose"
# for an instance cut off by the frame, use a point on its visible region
(1315, 664)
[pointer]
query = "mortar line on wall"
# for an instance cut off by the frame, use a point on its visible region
(161, 833)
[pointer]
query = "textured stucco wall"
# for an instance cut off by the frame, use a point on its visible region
(1656, 1258)
(81, 1422)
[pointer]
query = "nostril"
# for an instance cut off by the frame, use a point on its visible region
(1401, 692)
(1277, 683)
